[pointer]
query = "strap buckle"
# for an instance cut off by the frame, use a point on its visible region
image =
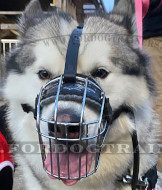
(127, 179)
(146, 183)
(143, 183)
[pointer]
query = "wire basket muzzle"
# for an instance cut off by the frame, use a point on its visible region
(71, 137)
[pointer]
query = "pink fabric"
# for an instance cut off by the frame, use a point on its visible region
(145, 7)
(149, 188)
(138, 9)
(155, 187)
(141, 8)
(160, 3)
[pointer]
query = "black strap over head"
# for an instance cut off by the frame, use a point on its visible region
(72, 55)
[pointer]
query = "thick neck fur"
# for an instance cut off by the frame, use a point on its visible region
(112, 166)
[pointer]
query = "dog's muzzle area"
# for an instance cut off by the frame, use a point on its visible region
(72, 126)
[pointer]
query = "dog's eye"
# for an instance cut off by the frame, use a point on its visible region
(101, 73)
(44, 75)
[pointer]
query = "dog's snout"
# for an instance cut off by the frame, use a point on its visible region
(65, 131)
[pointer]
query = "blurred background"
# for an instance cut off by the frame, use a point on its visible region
(10, 10)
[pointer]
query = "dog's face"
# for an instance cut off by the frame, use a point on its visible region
(107, 53)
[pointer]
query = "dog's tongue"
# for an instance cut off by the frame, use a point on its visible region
(73, 165)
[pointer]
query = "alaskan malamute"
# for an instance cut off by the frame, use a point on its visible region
(108, 53)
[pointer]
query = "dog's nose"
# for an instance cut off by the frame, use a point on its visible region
(63, 131)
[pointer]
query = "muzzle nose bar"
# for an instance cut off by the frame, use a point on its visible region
(72, 55)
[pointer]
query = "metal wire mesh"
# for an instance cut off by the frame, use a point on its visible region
(88, 145)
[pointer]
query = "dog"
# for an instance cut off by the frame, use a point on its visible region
(109, 53)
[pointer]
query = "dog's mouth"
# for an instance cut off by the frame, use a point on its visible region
(69, 167)
(67, 160)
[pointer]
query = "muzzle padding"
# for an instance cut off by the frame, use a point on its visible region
(74, 92)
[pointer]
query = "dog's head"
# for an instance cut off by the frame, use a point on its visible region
(108, 53)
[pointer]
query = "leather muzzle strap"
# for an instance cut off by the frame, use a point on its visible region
(136, 158)
(72, 55)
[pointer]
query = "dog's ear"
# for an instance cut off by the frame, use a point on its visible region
(30, 12)
(126, 7)
(123, 14)
(32, 9)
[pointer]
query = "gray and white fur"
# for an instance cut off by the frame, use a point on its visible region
(109, 42)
